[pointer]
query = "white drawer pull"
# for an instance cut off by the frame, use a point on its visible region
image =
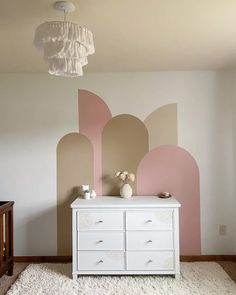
(149, 241)
(150, 261)
(100, 261)
(149, 220)
(100, 241)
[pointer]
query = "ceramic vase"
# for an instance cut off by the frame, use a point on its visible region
(126, 191)
(93, 194)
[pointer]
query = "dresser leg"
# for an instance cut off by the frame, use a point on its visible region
(75, 277)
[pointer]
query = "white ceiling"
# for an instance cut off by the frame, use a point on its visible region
(129, 35)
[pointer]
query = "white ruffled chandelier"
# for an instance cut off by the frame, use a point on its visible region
(65, 45)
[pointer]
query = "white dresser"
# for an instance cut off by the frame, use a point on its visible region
(112, 235)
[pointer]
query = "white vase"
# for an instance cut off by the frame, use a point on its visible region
(93, 194)
(126, 191)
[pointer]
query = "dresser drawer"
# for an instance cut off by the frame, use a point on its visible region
(153, 260)
(100, 220)
(101, 260)
(150, 240)
(149, 220)
(101, 240)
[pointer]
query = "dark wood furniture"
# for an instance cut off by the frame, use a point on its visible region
(6, 238)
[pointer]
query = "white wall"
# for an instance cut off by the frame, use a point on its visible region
(227, 87)
(36, 110)
(228, 92)
(234, 147)
(229, 78)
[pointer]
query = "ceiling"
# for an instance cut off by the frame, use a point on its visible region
(129, 35)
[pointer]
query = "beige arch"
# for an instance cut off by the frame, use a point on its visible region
(162, 126)
(74, 167)
(124, 144)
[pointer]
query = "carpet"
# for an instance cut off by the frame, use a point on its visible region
(197, 278)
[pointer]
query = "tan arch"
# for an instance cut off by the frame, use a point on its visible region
(74, 167)
(124, 144)
(162, 126)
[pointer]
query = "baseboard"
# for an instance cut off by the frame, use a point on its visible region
(43, 259)
(208, 258)
(67, 259)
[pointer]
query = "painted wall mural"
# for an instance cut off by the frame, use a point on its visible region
(148, 149)
(124, 143)
(74, 165)
(173, 169)
(93, 116)
(162, 126)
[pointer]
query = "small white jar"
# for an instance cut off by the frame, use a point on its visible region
(87, 195)
(84, 188)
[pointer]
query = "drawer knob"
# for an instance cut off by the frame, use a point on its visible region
(149, 241)
(149, 220)
(100, 221)
(100, 261)
(100, 241)
(150, 261)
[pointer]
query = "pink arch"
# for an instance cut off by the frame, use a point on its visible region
(173, 169)
(93, 116)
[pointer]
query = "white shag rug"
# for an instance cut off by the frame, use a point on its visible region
(197, 278)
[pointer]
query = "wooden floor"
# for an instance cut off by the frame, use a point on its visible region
(230, 268)
(6, 282)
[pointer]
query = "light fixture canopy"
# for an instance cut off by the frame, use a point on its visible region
(65, 45)
(64, 6)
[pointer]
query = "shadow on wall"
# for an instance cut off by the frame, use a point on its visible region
(64, 222)
(36, 228)
(112, 183)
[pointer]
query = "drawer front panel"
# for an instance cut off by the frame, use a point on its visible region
(101, 240)
(100, 220)
(150, 240)
(101, 260)
(162, 260)
(150, 220)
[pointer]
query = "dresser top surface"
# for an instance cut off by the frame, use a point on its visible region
(118, 202)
